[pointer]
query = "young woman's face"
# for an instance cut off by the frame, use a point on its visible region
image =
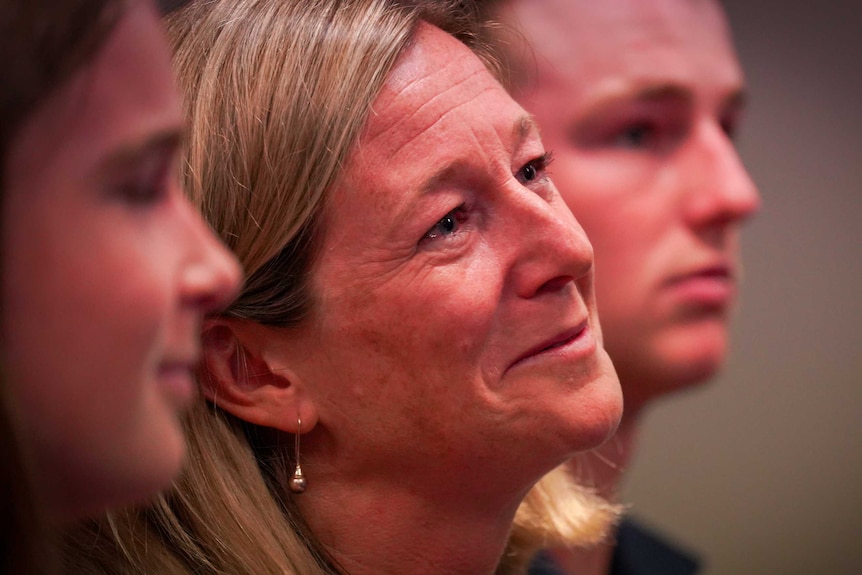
(455, 337)
(107, 271)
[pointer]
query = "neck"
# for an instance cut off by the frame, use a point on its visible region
(377, 528)
(604, 468)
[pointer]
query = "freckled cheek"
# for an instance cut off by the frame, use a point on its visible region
(433, 339)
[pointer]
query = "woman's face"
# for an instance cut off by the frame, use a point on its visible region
(455, 326)
(107, 271)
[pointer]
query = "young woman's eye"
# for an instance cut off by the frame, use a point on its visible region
(143, 193)
(534, 169)
(149, 181)
(448, 224)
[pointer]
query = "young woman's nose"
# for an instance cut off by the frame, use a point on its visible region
(211, 276)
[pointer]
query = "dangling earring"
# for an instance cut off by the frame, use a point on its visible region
(297, 482)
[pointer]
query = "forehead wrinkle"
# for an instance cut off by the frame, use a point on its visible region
(430, 126)
(398, 120)
(524, 127)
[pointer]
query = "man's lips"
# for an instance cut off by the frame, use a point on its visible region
(710, 285)
(578, 338)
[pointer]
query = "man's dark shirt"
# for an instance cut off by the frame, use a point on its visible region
(638, 551)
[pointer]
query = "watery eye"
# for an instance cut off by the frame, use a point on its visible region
(534, 169)
(448, 224)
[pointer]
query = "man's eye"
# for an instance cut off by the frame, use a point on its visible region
(637, 136)
(729, 128)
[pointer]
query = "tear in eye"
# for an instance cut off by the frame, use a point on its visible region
(448, 224)
(534, 169)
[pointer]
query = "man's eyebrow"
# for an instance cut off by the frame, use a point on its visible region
(524, 127)
(736, 100)
(659, 92)
(129, 154)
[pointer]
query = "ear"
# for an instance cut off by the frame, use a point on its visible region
(244, 374)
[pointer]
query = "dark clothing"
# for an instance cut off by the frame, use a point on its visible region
(638, 551)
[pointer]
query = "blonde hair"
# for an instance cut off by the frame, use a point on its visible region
(275, 93)
(557, 512)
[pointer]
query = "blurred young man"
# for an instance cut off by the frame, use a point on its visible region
(639, 101)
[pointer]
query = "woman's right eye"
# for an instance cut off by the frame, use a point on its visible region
(448, 224)
(149, 181)
(142, 193)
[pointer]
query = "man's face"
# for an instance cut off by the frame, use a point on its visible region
(639, 101)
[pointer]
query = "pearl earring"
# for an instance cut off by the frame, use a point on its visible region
(298, 483)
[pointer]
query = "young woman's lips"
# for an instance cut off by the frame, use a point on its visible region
(571, 344)
(176, 379)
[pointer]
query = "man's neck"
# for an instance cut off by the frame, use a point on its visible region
(604, 469)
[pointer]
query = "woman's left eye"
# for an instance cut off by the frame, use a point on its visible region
(534, 169)
(448, 224)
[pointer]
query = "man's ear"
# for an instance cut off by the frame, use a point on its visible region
(244, 374)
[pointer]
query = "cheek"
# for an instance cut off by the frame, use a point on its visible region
(628, 226)
(94, 313)
(430, 332)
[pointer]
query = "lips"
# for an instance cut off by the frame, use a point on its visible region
(565, 340)
(177, 380)
(713, 285)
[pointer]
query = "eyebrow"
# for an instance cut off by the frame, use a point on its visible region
(128, 155)
(738, 100)
(658, 92)
(523, 128)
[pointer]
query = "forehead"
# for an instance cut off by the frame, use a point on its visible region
(440, 120)
(434, 76)
(584, 43)
(124, 94)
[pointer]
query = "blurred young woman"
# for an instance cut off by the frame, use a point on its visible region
(107, 270)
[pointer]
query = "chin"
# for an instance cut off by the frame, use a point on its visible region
(151, 469)
(684, 360)
(600, 414)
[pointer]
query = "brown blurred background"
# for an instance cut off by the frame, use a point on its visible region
(761, 470)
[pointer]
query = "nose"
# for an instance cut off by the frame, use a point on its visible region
(211, 276)
(552, 249)
(720, 191)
